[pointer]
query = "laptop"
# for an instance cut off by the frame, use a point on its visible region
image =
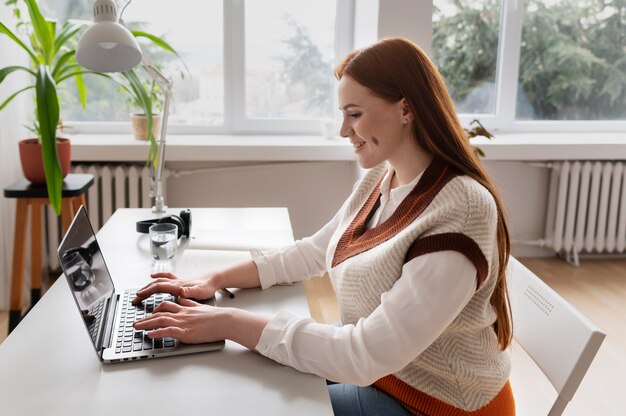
(108, 315)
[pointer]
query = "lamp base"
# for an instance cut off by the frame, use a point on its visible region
(159, 210)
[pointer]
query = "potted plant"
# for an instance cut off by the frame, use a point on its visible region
(52, 61)
(139, 115)
(145, 96)
(477, 129)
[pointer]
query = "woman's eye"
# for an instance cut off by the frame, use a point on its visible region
(355, 115)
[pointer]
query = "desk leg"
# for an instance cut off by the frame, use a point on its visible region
(17, 272)
(35, 250)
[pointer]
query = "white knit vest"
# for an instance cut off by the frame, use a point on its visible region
(445, 211)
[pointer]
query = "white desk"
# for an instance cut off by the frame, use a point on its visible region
(56, 381)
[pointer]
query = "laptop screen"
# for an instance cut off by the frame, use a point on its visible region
(86, 272)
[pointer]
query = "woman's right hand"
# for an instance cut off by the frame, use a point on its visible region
(199, 289)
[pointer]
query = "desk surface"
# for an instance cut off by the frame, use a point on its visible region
(53, 380)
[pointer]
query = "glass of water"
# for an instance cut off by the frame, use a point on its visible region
(163, 241)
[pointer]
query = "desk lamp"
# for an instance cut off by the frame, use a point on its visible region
(108, 46)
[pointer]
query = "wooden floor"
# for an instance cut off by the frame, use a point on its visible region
(597, 288)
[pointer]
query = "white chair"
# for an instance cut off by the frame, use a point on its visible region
(558, 338)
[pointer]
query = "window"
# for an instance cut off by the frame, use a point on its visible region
(550, 65)
(573, 61)
(266, 66)
(289, 56)
(251, 66)
(465, 49)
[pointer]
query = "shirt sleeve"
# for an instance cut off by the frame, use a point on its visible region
(431, 292)
(304, 259)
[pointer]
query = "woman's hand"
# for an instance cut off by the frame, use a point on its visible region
(188, 321)
(194, 323)
(200, 289)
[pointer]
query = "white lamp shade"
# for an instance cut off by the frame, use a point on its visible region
(108, 47)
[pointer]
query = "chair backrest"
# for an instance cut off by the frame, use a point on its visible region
(559, 339)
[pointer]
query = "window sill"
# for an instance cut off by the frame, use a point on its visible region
(553, 146)
(207, 148)
(237, 148)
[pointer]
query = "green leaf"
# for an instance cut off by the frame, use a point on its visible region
(10, 69)
(160, 43)
(82, 89)
(8, 100)
(155, 39)
(7, 31)
(67, 72)
(60, 64)
(43, 30)
(48, 117)
(74, 74)
(68, 30)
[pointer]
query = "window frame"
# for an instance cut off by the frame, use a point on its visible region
(507, 74)
(235, 120)
(353, 18)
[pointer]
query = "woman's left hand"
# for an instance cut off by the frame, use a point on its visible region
(187, 321)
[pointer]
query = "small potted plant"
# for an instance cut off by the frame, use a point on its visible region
(477, 129)
(139, 117)
(145, 96)
(51, 49)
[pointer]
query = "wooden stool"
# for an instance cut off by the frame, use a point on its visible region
(36, 196)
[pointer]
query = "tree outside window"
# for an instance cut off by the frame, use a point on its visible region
(572, 62)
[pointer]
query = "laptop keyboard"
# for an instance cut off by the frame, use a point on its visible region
(93, 318)
(128, 339)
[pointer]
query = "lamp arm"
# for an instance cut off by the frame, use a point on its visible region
(166, 86)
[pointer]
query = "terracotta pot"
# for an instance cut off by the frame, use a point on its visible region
(140, 125)
(32, 162)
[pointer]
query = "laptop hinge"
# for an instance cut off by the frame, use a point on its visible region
(107, 327)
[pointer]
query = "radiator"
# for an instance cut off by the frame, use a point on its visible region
(586, 208)
(116, 185)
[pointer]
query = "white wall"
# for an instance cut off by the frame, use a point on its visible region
(12, 119)
(524, 190)
(314, 191)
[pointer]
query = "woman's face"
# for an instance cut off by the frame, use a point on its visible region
(377, 129)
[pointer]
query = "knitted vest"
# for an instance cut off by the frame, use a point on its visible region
(464, 369)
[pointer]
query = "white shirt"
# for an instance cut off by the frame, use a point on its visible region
(430, 293)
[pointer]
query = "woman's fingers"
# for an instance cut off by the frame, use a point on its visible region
(160, 286)
(169, 332)
(188, 302)
(156, 321)
(163, 275)
(167, 307)
(189, 322)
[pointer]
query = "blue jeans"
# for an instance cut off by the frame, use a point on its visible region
(351, 400)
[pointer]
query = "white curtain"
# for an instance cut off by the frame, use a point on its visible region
(12, 121)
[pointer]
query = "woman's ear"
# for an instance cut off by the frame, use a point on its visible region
(407, 113)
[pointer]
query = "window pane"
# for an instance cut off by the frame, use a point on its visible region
(573, 61)
(465, 50)
(198, 38)
(289, 58)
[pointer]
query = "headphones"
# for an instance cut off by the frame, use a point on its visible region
(182, 222)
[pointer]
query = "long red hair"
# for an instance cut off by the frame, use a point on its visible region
(395, 68)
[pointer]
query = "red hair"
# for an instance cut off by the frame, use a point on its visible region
(395, 68)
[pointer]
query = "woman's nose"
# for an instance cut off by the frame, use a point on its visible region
(345, 130)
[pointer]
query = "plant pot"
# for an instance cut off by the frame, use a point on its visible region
(140, 125)
(32, 161)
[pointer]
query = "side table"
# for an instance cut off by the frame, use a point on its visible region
(36, 196)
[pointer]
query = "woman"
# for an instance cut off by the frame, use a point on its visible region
(417, 257)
